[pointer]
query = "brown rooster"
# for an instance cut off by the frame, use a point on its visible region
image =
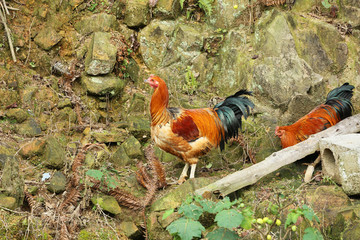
(337, 107)
(191, 133)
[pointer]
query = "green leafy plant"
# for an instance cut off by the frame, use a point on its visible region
(191, 84)
(230, 216)
(103, 175)
(226, 218)
(326, 4)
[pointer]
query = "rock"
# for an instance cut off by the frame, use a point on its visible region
(28, 93)
(321, 46)
(350, 11)
(137, 13)
(154, 40)
(7, 202)
(133, 69)
(66, 102)
(114, 135)
(167, 9)
(281, 73)
(120, 158)
(175, 197)
(57, 183)
(66, 115)
(340, 160)
(47, 38)
(18, 114)
(327, 201)
(29, 128)
(12, 182)
(225, 16)
(109, 85)
(5, 153)
(132, 147)
(352, 231)
(54, 155)
(139, 127)
(35, 147)
(107, 203)
(101, 22)
(130, 229)
(101, 56)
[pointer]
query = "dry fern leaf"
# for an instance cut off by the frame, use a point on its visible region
(31, 200)
(126, 199)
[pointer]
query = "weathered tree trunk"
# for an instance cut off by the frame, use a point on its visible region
(279, 159)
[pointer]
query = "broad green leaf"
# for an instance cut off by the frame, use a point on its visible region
(97, 174)
(222, 234)
(326, 4)
(191, 211)
(185, 228)
(309, 213)
(224, 204)
(273, 209)
(167, 213)
(292, 218)
(312, 234)
(229, 218)
(246, 223)
(208, 206)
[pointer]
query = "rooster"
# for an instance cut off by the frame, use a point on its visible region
(337, 107)
(191, 133)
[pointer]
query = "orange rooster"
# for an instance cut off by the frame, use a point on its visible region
(191, 133)
(337, 107)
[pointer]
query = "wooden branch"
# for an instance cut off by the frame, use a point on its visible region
(251, 175)
(3, 19)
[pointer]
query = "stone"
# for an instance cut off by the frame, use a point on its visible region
(107, 203)
(139, 127)
(130, 230)
(7, 202)
(351, 12)
(108, 85)
(224, 14)
(101, 22)
(137, 13)
(12, 182)
(35, 147)
(57, 183)
(5, 153)
(54, 155)
(66, 102)
(174, 198)
(47, 38)
(29, 128)
(327, 201)
(352, 231)
(101, 56)
(167, 9)
(120, 158)
(114, 135)
(132, 147)
(154, 39)
(18, 114)
(341, 161)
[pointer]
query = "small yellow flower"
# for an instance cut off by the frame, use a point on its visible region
(236, 6)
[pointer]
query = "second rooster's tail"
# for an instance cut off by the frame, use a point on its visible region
(340, 99)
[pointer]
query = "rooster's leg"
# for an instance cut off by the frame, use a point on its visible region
(183, 174)
(192, 171)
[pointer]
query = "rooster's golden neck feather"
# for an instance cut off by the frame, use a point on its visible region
(159, 103)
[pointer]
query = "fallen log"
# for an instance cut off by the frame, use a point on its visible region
(251, 175)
